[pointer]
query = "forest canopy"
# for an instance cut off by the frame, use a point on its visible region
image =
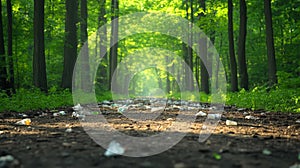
(257, 42)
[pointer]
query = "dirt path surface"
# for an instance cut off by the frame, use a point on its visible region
(269, 140)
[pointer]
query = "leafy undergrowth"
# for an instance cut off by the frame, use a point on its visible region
(283, 100)
(34, 99)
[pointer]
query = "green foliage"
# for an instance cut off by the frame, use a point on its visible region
(284, 100)
(34, 99)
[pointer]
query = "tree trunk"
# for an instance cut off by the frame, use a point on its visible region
(85, 66)
(11, 82)
(70, 44)
(270, 43)
(113, 55)
(242, 46)
(39, 64)
(102, 20)
(3, 70)
(189, 84)
(233, 66)
(203, 53)
(168, 83)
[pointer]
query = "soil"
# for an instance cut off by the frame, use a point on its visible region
(273, 140)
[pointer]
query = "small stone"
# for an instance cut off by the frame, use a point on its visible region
(56, 114)
(245, 113)
(179, 165)
(208, 142)
(65, 154)
(66, 144)
(231, 123)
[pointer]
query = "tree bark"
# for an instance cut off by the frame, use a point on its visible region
(242, 46)
(270, 43)
(113, 55)
(3, 64)
(11, 82)
(102, 20)
(39, 64)
(85, 66)
(203, 53)
(233, 66)
(70, 44)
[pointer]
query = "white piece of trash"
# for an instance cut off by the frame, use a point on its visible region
(201, 114)
(295, 166)
(213, 116)
(114, 149)
(229, 122)
(25, 121)
(250, 117)
(69, 130)
(78, 107)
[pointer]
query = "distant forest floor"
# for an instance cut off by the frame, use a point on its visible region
(271, 140)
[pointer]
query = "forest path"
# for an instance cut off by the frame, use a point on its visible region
(270, 140)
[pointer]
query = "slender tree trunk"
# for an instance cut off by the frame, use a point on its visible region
(3, 70)
(85, 66)
(168, 83)
(102, 20)
(233, 66)
(113, 57)
(270, 43)
(11, 82)
(218, 63)
(242, 46)
(70, 44)
(39, 64)
(190, 81)
(203, 53)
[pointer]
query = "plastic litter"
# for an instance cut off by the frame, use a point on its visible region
(77, 115)
(114, 149)
(106, 102)
(249, 117)
(77, 107)
(122, 109)
(213, 116)
(266, 152)
(25, 121)
(61, 113)
(23, 115)
(298, 121)
(69, 130)
(9, 161)
(201, 114)
(229, 122)
(295, 166)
